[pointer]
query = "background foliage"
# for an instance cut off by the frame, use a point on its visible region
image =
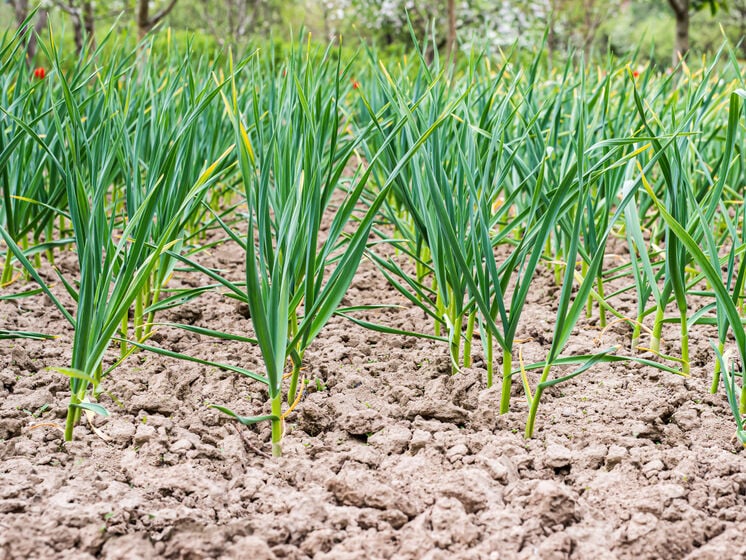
(591, 26)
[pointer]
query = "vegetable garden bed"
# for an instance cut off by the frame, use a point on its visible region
(298, 306)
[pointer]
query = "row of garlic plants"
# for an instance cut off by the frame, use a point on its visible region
(476, 176)
(544, 170)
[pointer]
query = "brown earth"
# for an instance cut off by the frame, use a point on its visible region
(387, 456)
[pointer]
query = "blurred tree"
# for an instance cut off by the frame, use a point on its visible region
(145, 21)
(385, 21)
(482, 23)
(21, 11)
(576, 23)
(488, 25)
(683, 10)
(233, 21)
(451, 45)
(738, 7)
(83, 19)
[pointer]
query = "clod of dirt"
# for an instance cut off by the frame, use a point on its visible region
(243, 310)
(144, 434)
(186, 314)
(249, 547)
(652, 468)
(457, 452)
(361, 422)
(31, 401)
(154, 403)
(616, 455)
(420, 438)
(497, 469)
(557, 546)
(128, 546)
(10, 428)
(392, 440)
(473, 489)
(639, 525)
(451, 524)
(22, 361)
(546, 501)
(557, 456)
(485, 415)
(120, 430)
(363, 489)
(313, 419)
(593, 456)
(465, 388)
(437, 410)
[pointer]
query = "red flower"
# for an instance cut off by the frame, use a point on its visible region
(355, 84)
(40, 73)
(636, 74)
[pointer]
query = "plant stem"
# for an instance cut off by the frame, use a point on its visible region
(589, 303)
(535, 402)
(138, 317)
(684, 344)
(49, 236)
(96, 389)
(716, 373)
(507, 381)
(277, 426)
(636, 333)
(294, 381)
(7, 269)
(124, 328)
(601, 308)
(24, 246)
(37, 256)
(62, 226)
(71, 419)
(456, 342)
(438, 307)
(488, 358)
(468, 340)
(296, 357)
(151, 315)
(655, 337)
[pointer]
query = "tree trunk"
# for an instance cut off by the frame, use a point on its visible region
(681, 45)
(589, 30)
(20, 8)
(41, 23)
(77, 30)
(452, 46)
(83, 21)
(682, 37)
(145, 22)
(89, 24)
(743, 31)
(552, 38)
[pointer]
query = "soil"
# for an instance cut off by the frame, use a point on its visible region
(388, 455)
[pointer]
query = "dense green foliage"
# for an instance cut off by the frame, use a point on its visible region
(478, 176)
